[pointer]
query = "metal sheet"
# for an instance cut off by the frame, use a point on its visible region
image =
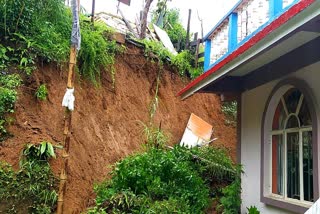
(197, 132)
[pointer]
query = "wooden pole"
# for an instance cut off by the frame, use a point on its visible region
(188, 30)
(67, 129)
(201, 21)
(197, 53)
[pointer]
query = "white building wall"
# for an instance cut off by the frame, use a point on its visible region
(253, 104)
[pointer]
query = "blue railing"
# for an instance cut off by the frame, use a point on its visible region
(244, 20)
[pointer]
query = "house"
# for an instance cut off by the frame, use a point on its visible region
(266, 55)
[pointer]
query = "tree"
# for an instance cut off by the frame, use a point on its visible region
(144, 19)
(172, 25)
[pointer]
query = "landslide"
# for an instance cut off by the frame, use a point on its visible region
(107, 120)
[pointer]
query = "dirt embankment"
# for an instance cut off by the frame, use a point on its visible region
(106, 122)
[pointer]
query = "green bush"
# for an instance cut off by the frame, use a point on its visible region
(214, 164)
(39, 31)
(163, 181)
(42, 92)
(97, 50)
(33, 185)
(160, 179)
(8, 97)
(230, 202)
(183, 60)
(230, 111)
(253, 210)
(35, 29)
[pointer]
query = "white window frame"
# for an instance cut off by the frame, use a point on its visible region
(283, 133)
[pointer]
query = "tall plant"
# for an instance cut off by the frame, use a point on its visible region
(32, 187)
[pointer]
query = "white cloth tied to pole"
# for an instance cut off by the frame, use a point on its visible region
(68, 99)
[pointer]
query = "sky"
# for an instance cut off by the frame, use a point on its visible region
(210, 11)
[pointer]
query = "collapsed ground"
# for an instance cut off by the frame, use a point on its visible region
(106, 123)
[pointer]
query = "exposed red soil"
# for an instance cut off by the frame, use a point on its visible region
(106, 123)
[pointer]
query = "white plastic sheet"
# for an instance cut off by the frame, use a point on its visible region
(68, 99)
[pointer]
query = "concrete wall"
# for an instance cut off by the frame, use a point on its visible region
(253, 104)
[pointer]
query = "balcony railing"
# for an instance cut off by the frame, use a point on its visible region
(246, 19)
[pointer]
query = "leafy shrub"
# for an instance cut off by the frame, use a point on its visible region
(42, 92)
(8, 97)
(163, 181)
(33, 185)
(36, 29)
(183, 60)
(230, 202)
(155, 49)
(158, 178)
(43, 152)
(230, 111)
(253, 210)
(10, 81)
(39, 30)
(214, 165)
(97, 50)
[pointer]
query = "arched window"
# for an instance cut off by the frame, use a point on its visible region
(291, 148)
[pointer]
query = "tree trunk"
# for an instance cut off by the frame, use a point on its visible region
(144, 19)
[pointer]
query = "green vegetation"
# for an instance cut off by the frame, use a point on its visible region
(182, 61)
(170, 180)
(230, 111)
(155, 137)
(160, 180)
(32, 187)
(172, 25)
(97, 50)
(253, 210)
(174, 28)
(33, 32)
(8, 97)
(230, 202)
(42, 92)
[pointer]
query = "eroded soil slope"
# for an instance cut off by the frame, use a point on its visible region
(106, 123)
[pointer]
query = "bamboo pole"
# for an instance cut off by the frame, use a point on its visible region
(67, 129)
(67, 135)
